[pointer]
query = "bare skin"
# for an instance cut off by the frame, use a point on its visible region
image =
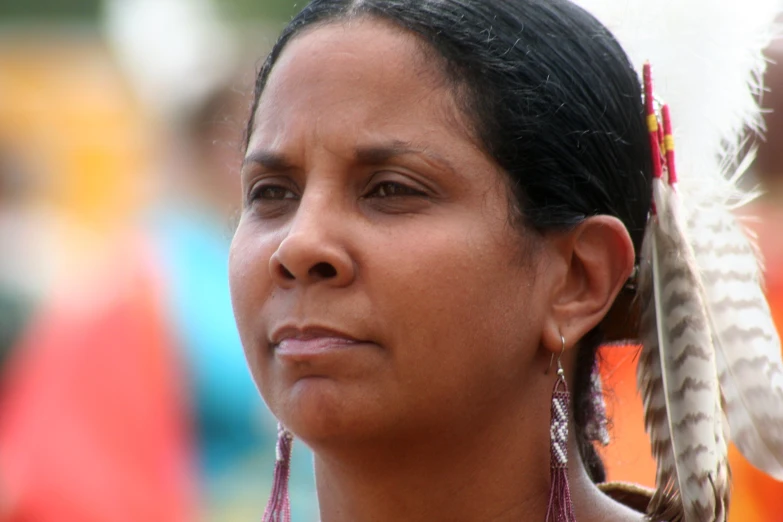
(392, 316)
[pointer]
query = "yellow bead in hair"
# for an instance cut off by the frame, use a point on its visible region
(668, 142)
(652, 123)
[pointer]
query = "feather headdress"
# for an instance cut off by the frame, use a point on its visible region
(710, 370)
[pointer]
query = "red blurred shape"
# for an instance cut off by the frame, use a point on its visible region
(93, 425)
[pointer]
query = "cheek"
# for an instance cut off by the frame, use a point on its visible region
(465, 325)
(251, 284)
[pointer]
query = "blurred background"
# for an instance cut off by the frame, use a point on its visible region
(125, 394)
(123, 389)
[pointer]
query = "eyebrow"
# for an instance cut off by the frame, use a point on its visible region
(374, 155)
(271, 161)
(368, 155)
(382, 153)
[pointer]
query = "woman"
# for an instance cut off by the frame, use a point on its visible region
(443, 202)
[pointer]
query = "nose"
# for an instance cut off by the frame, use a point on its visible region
(311, 251)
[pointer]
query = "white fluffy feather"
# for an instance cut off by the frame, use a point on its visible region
(707, 61)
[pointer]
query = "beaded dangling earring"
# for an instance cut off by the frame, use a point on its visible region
(278, 509)
(560, 508)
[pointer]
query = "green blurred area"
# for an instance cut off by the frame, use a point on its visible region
(88, 10)
(11, 10)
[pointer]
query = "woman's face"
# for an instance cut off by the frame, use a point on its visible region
(378, 284)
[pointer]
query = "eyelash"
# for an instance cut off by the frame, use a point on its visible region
(407, 191)
(384, 186)
(259, 190)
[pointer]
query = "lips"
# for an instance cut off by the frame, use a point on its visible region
(301, 348)
(305, 333)
(294, 342)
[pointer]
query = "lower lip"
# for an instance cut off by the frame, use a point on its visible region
(308, 348)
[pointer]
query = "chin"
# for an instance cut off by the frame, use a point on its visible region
(323, 412)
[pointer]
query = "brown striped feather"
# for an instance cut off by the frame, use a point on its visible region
(678, 378)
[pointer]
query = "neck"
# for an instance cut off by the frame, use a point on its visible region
(498, 473)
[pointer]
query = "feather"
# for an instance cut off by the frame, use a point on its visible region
(666, 505)
(748, 347)
(677, 376)
(709, 61)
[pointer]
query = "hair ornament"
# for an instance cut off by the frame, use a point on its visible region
(710, 368)
(677, 373)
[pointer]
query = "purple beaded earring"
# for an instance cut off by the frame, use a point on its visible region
(560, 508)
(278, 509)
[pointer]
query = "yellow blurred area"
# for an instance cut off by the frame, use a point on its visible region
(68, 116)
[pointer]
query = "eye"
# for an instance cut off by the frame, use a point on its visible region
(269, 200)
(390, 189)
(268, 192)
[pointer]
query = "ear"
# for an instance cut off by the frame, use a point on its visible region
(597, 258)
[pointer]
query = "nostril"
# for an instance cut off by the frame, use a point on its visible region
(285, 272)
(323, 271)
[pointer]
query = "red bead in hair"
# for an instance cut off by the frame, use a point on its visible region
(652, 122)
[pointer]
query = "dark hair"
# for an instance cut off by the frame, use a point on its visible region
(551, 96)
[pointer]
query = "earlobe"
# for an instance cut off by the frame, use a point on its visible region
(599, 256)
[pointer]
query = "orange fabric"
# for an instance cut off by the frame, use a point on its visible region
(627, 457)
(92, 426)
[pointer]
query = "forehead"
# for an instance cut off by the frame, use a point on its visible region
(362, 72)
(360, 41)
